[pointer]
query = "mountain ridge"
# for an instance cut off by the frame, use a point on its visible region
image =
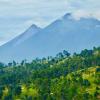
(25, 35)
(65, 33)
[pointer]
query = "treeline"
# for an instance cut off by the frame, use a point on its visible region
(53, 78)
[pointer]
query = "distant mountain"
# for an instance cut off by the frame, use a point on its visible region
(6, 50)
(31, 31)
(65, 33)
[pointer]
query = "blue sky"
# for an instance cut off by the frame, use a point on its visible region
(17, 15)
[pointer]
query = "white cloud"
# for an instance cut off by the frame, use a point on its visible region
(86, 8)
(37, 9)
(80, 13)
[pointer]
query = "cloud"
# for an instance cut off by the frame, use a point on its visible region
(41, 9)
(86, 8)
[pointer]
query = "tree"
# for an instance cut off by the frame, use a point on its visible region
(14, 63)
(86, 53)
(10, 64)
(60, 55)
(66, 53)
(1, 65)
(97, 69)
(86, 82)
(17, 90)
(1, 93)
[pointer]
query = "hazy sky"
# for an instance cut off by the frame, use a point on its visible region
(17, 15)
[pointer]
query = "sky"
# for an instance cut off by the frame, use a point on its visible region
(18, 15)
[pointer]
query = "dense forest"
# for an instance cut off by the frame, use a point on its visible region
(63, 77)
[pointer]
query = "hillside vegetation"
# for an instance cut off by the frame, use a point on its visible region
(64, 77)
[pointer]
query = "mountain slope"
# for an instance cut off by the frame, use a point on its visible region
(31, 31)
(65, 33)
(74, 77)
(26, 35)
(7, 49)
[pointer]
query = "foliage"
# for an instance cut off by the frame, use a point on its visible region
(64, 77)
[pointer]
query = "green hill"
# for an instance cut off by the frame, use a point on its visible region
(64, 77)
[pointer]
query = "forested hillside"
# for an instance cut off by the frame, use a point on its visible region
(64, 77)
